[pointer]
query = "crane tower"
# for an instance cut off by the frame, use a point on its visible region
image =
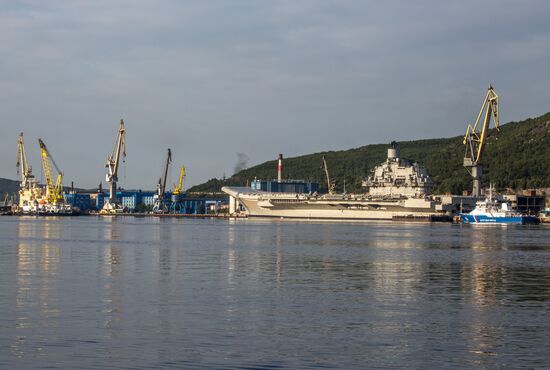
(330, 184)
(53, 201)
(112, 165)
(176, 205)
(475, 139)
(160, 204)
(29, 192)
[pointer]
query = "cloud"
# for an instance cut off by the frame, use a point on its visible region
(210, 78)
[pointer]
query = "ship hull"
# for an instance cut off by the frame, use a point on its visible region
(312, 211)
(484, 219)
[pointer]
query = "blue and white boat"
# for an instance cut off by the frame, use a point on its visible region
(490, 211)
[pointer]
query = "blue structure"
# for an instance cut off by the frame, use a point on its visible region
(148, 198)
(180, 204)
(100, 201)
(131, 201)
(82, 201)
(286, 186)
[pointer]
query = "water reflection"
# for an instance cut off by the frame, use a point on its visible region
(38, 261)
(112, 289)
(112, 254)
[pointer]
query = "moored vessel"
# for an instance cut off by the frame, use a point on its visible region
(493, 211)
(398, 191)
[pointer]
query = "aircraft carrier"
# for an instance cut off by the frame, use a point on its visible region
(397, 189)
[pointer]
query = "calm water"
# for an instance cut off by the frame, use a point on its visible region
(146, 293)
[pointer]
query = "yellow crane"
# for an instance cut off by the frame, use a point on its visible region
(54, 189)
(330, 184)
(476, 136)
(179, 188)
(177, 205)
(112, 164)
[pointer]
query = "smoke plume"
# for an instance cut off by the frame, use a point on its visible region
(242, 162)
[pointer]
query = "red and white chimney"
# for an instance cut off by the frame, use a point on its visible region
(280, 169)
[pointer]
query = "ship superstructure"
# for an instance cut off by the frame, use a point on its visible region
(398, 177)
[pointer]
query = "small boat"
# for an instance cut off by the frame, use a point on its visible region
(491, 211)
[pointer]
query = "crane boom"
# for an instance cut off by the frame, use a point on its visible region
(22, 164)
(54, 190)
(159, 203)
(330, 185)
(162, 183)
(179, 189)
(113, 161)
(475, 138)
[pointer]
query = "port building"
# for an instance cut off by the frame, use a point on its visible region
(285, 186)
(140, 201)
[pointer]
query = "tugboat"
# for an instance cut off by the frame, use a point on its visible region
(491, 211)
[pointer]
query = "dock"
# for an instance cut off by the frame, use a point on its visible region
(429, 218)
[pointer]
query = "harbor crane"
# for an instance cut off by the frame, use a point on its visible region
(54, 188)
(330, 184)
(112, 164)
(160, 204)
(27, 178)
(176, 205)
(29, 191)
(476, 136)
(179, 188)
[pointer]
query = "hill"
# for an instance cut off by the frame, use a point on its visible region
(12, 187)
(517, 157)
(8, 186)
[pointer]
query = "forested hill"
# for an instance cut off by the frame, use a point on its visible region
(12, 187)
(8, 186)
(517, 157)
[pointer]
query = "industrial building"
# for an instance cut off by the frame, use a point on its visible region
(285, 186)
(133, 201)
(528, 203)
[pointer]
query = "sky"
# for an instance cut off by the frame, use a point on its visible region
(219, 81)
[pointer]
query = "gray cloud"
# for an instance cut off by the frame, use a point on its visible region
(209, 79)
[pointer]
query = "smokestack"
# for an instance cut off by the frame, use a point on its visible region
(280, 169)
